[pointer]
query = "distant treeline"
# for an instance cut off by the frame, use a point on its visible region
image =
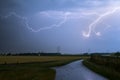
(58, 54)
(30, 54)
(106, 54)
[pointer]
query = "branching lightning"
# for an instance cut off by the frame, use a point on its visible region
(26, 21)
(54, 25)
(65, 17)
(94, 23)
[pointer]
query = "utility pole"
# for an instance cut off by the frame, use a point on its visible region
(58, 49)
(88, 50)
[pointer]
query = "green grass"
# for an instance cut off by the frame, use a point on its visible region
(31, 68)
(111, 74)
(26, 72)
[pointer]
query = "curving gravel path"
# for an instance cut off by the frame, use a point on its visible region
(76, 71)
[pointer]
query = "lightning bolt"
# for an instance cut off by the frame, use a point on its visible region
(92, 26)
(87, 34)
(26, 21)
(54, 25)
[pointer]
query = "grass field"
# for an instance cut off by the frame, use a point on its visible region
(31, 67)
(27, 59)
(106, 66)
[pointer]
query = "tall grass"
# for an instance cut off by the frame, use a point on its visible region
(100, 65)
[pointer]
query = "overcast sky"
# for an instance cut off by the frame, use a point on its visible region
(76, 26)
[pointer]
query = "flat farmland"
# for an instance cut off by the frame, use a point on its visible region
(30, 59)
(32, 67)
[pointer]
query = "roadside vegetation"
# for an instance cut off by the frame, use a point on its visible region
(108, 66)
(31, 67)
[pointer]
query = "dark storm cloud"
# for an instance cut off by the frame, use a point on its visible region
(15, 36)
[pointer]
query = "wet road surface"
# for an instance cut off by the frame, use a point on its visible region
(76, 71)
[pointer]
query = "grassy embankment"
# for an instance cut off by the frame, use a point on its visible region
(106, 66)
(31, 67)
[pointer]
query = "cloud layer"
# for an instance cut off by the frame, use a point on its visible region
(75, 25)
